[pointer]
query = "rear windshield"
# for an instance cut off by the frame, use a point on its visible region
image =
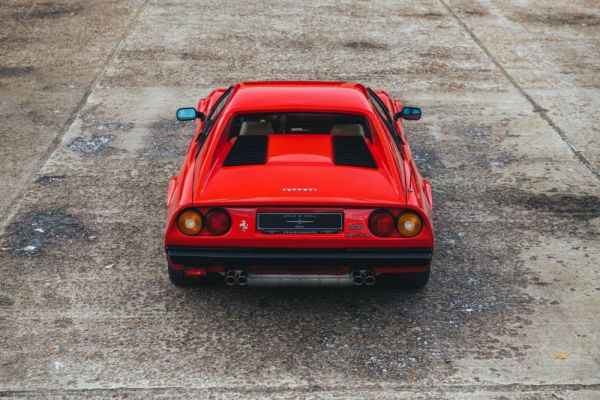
(299, 123)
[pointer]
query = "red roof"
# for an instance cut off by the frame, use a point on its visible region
(300, 96)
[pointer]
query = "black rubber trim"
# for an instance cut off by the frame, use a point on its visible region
(352, 151)
(274, 257)
(247, 150)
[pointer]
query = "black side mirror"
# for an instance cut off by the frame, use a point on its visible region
(411, 113)
(189, 114)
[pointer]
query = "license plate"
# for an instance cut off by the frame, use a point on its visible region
(300, 222)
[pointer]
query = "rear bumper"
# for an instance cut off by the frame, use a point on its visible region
(240, 257)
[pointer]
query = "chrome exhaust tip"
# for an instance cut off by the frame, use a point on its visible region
(357, 277)
(242, 278)
(369, 278)
(231, 277)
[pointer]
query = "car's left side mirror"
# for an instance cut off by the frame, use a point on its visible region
(411, 113)
(189, 114)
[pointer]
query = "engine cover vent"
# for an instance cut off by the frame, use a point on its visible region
(247, 150)
(352, 151)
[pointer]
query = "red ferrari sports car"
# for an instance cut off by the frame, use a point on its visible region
(299, 183)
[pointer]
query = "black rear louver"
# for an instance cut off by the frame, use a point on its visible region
(247, 150)
(352, 151)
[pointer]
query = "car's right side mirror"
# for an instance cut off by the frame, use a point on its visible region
(411, 113)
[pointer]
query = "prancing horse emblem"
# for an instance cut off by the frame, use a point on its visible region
(244, 225)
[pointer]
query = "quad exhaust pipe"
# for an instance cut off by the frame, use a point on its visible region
(236, 277)
(363, 277)
(357, 277)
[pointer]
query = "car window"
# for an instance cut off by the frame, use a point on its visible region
(384, 114)
(299, 123)
(219, 105)
(212, 117)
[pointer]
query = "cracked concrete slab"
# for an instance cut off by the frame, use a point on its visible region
(51, 54)
(551, 51)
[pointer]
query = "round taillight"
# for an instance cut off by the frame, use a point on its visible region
(409, 224)
(381, 223)
(190, 222)
(217, 222)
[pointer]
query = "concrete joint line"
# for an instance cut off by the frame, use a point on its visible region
(11, 210)
(500, 388)
(536, 107)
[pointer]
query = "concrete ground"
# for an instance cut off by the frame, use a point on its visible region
(509, 140)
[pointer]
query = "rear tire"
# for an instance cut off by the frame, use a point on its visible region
(178, 278)
(414, 281)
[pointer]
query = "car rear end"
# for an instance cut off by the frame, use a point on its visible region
(301, 197)
(317, 246)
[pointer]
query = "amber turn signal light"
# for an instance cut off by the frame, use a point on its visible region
(409, 224)
(190, 222)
